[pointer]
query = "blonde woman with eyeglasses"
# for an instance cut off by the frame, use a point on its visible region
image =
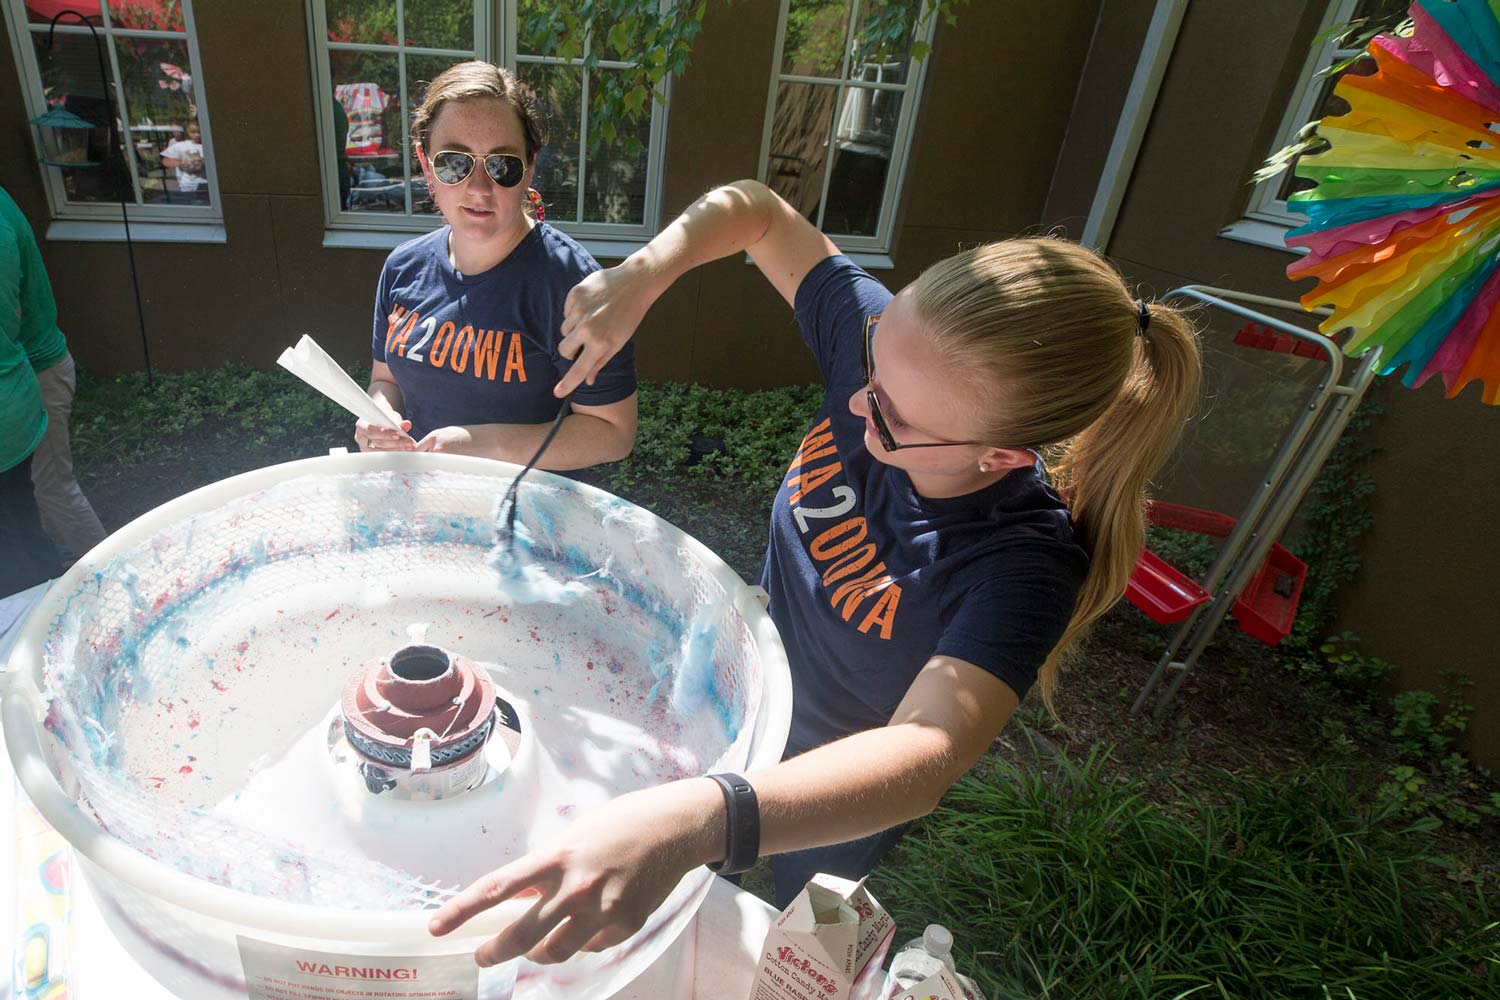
(926, 568)
(467, 329)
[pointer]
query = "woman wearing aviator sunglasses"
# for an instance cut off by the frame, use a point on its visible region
(922, 571)
(467, 318)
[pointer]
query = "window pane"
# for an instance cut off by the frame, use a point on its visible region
(163, 121)
(799, 144)
(440, 24)
(420, 71)
(1378, 8)
(70, 80)
(43, 11)
(863, 142)
(815, 33)
(558, 89)
(532, 18)
(153, 15)
(883, 40)
(371, 22)
(614, 188)
(366, 90)
(603, 42)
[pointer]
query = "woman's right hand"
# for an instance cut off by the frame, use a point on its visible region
(374, 437)
(599, 316)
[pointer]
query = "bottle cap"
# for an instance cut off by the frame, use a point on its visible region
(937, 939)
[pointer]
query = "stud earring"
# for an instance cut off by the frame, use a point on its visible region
(984, 467)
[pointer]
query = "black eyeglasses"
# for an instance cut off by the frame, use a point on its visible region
(452, 166)
(888, 440)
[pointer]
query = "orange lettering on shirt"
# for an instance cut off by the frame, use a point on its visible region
(440, 345)
(828, 545)
(487, 353)
(515, 361)
(817, 444)
(804, 483)
(461, 348)
(852, 593)
(394, 318)
(852, 563)
(883, 614)
(400, 342)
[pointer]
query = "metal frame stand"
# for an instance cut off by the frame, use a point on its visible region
(1287, 479)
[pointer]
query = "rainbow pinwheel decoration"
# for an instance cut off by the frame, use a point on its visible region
(1403, 229)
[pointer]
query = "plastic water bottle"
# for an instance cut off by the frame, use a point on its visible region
(922, 957)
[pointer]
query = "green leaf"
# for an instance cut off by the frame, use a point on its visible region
(619, 37)
(920, 50)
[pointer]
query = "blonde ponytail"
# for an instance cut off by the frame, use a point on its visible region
(1053, 341)
(1105, 469)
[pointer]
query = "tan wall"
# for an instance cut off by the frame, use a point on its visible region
(1425, 598)
(244, 300)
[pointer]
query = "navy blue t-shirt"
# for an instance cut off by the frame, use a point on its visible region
(482, 348)
(868, 580)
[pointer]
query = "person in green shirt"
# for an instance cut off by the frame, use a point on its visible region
(67, 516)
(27, 556)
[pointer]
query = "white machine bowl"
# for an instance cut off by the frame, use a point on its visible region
(167, 707)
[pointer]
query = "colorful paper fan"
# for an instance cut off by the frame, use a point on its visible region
(1404, 223)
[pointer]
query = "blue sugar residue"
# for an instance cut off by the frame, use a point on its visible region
(119, 678)
(523, 581)
(695, 686)
(656, 659)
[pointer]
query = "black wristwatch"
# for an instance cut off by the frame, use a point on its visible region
(741, 825)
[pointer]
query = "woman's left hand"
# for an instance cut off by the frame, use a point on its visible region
(448, 440)
(600, 880)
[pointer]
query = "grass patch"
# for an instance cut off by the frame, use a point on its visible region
(226, 420)
(118, 418)
(759, 432)
(1070, 884)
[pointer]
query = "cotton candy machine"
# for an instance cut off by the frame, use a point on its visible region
(282, 718)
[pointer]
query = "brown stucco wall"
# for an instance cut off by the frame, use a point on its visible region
(1425, 597)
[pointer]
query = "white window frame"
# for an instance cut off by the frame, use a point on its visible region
(100, 221)
(1267, 216)
(494, 32)
(869, 250)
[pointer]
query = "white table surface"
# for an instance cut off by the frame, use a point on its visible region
(714, 958)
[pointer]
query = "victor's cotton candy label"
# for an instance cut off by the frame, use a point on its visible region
(829, 944)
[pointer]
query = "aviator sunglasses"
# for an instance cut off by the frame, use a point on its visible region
(452, 166)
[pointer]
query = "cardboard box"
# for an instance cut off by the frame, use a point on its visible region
(943, 985)
(829, 944)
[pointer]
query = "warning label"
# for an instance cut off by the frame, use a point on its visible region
(276, 972)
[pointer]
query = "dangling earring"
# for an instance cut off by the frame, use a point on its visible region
(984, 467)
